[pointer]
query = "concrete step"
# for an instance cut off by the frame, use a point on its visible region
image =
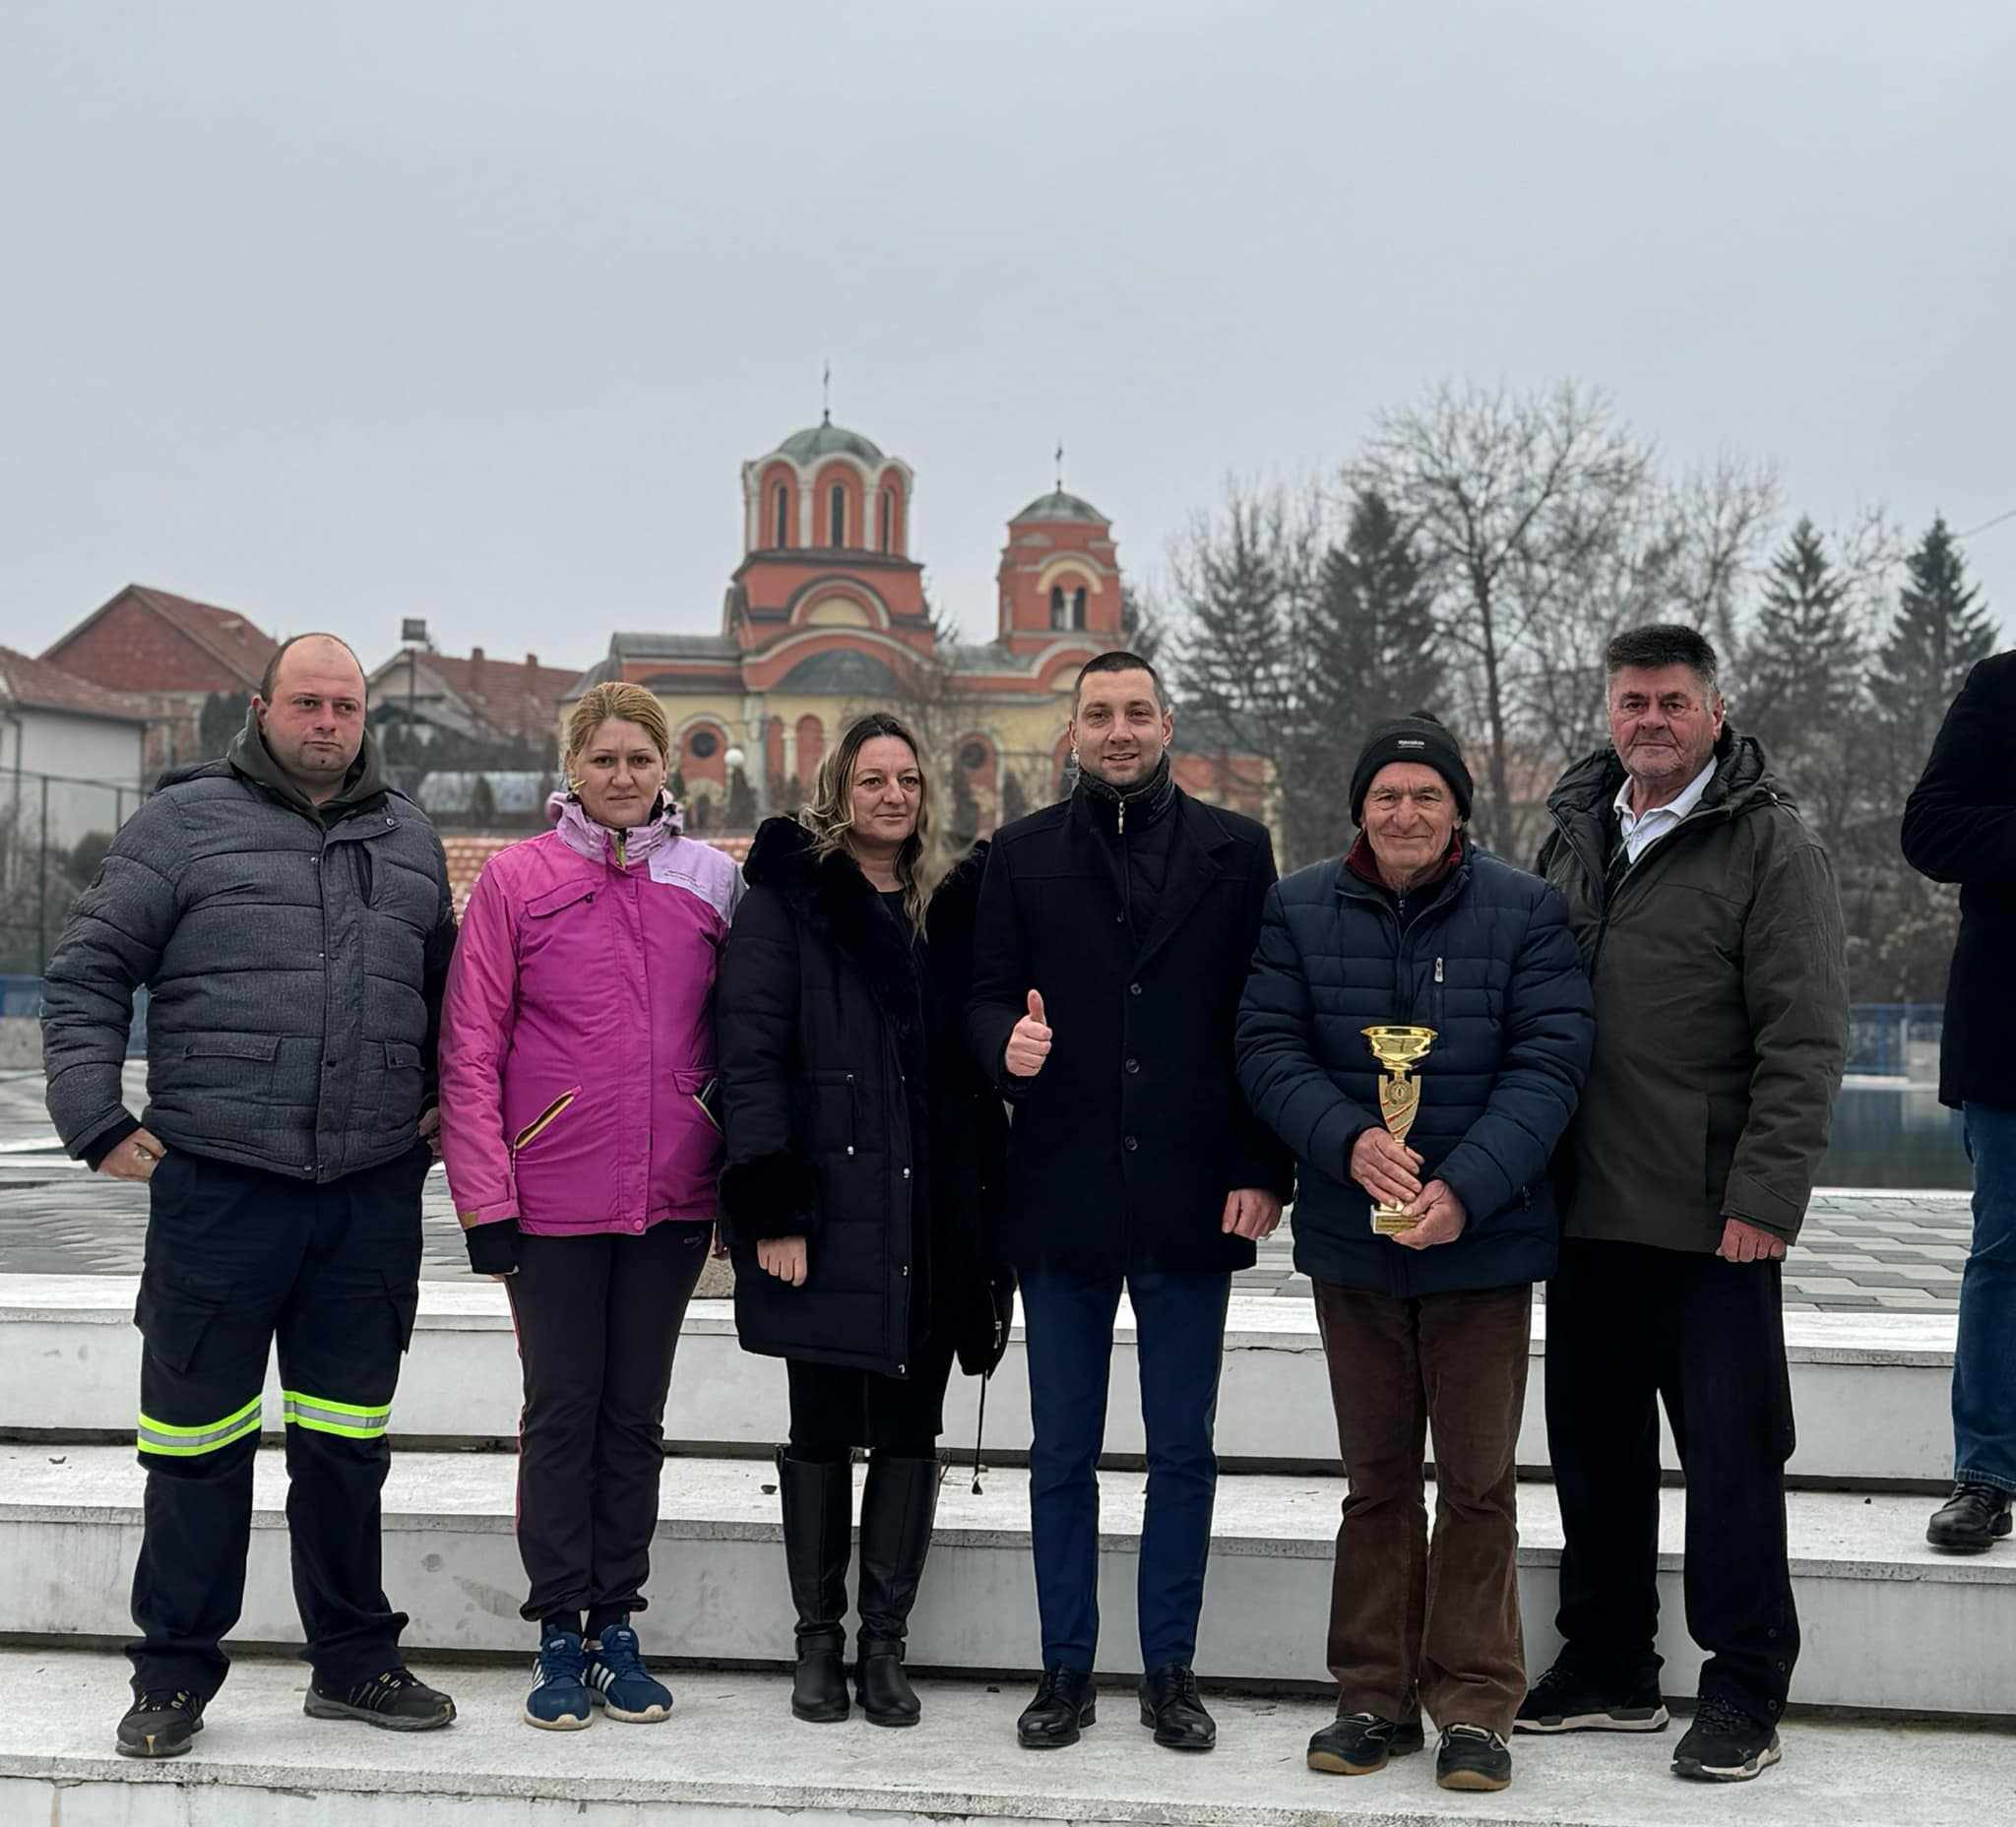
(1872, 1389)
(731, 1756)
(1888, 1623)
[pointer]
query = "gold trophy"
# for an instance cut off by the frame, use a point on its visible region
(1399, 1050)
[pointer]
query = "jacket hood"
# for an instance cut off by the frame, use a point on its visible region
(781, 855)
(1742, 779)
(249, 756)
(582, 834)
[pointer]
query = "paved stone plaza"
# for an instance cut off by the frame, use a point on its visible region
(1880, 1250)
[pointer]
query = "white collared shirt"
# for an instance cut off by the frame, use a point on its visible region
(1640, 830)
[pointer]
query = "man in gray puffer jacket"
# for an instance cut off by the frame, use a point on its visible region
(290, 913)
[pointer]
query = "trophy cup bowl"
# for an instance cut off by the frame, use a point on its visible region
(1399, 1048)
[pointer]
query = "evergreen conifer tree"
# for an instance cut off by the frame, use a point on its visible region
(1372, 645)
(1805, 685)
(1941, 629)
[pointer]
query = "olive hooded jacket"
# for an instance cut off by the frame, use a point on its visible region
(1721, 1008)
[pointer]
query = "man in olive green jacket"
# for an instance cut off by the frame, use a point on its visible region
(1711, 926)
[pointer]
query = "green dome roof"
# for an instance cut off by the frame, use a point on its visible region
(829, 440)
(1058, 505)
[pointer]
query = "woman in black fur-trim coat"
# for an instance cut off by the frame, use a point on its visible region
(857, 1196)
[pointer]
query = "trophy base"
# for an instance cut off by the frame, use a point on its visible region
(1389, 1221)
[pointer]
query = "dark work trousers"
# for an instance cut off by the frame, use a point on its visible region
(237, 1258)
(1628, 1326)
(1179, 1329)
(1416, 1623)
(597, 1320)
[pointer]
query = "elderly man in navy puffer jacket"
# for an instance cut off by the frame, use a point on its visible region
(1427, 1327)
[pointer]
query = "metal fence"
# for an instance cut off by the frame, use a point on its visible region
(54, 830)
(1888, 1040)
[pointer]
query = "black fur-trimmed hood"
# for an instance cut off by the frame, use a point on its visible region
(830, 894)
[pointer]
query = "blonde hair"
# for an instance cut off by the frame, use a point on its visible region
(831, 815)
(627, 703)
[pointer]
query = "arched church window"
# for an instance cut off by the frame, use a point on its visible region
(784, 514)
(1078, 607)
(1059, 608)
(889, 519)
(836, 514)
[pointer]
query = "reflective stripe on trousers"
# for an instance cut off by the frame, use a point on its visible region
(322, 1416)
(155, 1437)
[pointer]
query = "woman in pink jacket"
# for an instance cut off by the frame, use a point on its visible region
(577, 1121)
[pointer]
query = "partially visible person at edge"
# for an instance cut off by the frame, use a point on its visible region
(1709, 917)
(1115, 931)
(1960, 826)
(860, 1175)
(1427, 1327)
(289, 910)
(577, 1078)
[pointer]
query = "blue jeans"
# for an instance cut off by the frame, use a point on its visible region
(1179, 1328)
(1985, 1354)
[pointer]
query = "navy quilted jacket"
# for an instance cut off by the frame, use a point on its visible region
(1485, 957)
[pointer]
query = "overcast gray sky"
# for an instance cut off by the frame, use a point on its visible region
(343, 314)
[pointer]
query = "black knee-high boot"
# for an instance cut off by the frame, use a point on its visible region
(897, 1508)
(817, 1502)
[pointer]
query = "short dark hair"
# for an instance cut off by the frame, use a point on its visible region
(1661, 644)
(270, 676)
(1119, 661)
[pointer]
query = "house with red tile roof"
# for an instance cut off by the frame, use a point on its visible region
(490, 703)
(173, 651)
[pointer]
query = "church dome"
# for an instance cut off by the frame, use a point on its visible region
(827, 439)
(1058, 505)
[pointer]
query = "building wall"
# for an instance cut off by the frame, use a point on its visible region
(97, 762)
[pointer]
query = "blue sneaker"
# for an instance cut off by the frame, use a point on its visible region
(618, 1681)
(559, 1698)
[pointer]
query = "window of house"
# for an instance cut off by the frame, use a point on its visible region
(889, 519)
(784, 514)
(836, 514)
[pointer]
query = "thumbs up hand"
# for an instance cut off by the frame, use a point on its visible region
(1030, 1043)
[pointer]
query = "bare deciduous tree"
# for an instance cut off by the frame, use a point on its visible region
(1519, 507)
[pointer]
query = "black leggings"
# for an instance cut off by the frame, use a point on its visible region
(836, 1409)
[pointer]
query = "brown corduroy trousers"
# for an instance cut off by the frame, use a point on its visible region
(1415, 1624)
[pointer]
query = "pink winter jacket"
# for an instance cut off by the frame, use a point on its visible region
(576, 1036)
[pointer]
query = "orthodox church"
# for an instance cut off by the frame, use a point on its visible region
(825, 617)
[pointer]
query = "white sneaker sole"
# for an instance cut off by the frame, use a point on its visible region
(567, 1722)
(648, 1716)
(1636, 1720)
(1737, 1773)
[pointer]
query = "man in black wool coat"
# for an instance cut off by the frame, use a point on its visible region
(1114, 937)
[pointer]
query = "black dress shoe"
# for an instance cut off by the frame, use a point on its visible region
(1170, 1704)
(1065, 1701)
(1974, 1518)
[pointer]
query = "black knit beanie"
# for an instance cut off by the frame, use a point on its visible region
(1420, 737)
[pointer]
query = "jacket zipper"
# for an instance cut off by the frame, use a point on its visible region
(1699, 816)
(532, 1131)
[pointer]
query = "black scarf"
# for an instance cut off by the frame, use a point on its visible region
(1145, 803)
